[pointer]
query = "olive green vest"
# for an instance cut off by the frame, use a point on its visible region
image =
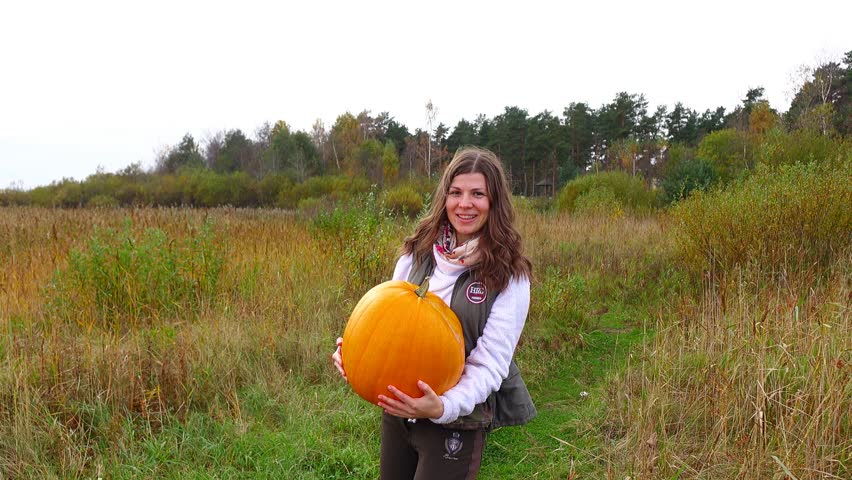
(511, 404)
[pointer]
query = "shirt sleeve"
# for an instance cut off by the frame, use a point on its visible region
(403, 267)
(488, 363)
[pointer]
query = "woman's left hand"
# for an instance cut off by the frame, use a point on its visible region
(427, 406)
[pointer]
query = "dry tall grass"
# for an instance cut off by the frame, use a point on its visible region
(285, 292)
(746, 376)
(749, 376)
(746, 382)
(280, 300)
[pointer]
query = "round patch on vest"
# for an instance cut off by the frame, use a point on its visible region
(476, 292)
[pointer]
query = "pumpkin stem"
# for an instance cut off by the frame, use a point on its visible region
(424, 287)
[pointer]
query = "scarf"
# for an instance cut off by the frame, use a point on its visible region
(465, 254)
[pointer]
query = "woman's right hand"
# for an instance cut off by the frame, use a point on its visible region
(337, 358)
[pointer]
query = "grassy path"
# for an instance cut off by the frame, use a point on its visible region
(326, 432)
(564, 439)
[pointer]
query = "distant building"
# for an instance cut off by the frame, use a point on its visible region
(544, 188)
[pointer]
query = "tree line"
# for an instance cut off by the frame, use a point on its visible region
(278, 166)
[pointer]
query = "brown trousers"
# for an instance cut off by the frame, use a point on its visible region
(425, 451)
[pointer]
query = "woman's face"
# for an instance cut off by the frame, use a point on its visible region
(467, 205)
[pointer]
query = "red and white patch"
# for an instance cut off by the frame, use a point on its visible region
(476, 293)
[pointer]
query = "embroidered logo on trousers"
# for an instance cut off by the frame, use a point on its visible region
(453, 445)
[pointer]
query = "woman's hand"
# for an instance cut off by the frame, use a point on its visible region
(427, 406)
(337, 358)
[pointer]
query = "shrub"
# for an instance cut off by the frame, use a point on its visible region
(727, 150)
(540, 204)
(688, 176)
(600, 200)
(312, 205)
(559, 316)
(676, 154)
(363, 237)
(403, 200)
(336, 188)
(12, 196)
(102, 201)
(271, 186)
(123, 279)
(67, 193)
(628, 192)
(802, 146)
(791, 216)
(242, 190)
(209, 189)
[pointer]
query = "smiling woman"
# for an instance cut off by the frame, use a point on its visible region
(467, 205)
(471, 251)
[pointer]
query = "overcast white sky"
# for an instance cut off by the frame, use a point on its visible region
(108, 83)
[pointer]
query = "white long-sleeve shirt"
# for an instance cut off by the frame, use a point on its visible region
(488, 362)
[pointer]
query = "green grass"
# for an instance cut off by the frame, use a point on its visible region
(569, 432)
(324, 431)
(247, 390)
(308, 429)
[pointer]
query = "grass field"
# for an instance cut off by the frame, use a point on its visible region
(177, 343)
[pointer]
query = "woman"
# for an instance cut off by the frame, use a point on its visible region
(471, 251)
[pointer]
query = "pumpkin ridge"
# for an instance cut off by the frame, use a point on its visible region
(367, 308)
(375, 346)
(394, 338)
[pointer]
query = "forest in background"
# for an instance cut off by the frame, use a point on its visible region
(673, 150)
(707, 339)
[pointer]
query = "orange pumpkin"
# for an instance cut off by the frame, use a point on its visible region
(400, 333)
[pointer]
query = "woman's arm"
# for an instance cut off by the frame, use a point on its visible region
(403, 267)
(488, 362)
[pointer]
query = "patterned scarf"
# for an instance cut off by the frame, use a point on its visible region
(465, 254)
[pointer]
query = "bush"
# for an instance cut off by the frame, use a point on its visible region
(403, 200)
(540, 204)
(122, 279)
(102, 201)
(312, 206)
(364, 238)
(802, 146)
(336, 188)
(599, 201)
(629, 193)
(728, 151)
(688, 176)
(271, 186)
(67, 193)
(11, 196)
(209, 189)
(794, 216)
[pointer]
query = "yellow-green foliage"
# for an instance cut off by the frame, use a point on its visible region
(803, 146)
(424, 186)
(123, 279)
(363, 237)
(791, 216)
(102, 201)
(12, 196)
(404, 200)
(741, 382)
(607, 190)
(727, 150)
(337, 187)
(533, 204)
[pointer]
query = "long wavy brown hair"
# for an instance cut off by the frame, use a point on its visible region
(499, 242)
